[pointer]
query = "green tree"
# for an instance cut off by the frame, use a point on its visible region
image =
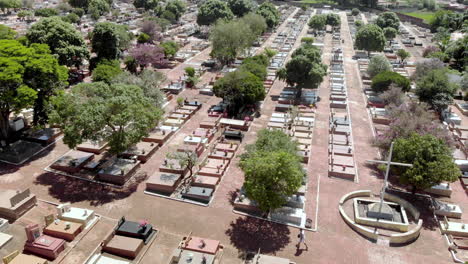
(382, 81)
(256, 23)
(7, 33)
(97, 8)
(25, 14)
(119, 114)
(370, 38)
(143, 38)
(79, 3)
(304, 69)
(238, 89)
(435, 89)
(318, 22)
(256, 69)
(5, 5)
(146, 4)
(109, 40)
(272, 170)
(390, 33)
(458, 53)
(403, 54)
(388, 19)
(229, 39)
(431, 158)
(378, 64)
(448, 20)
(271, 141)
(149, 81)
(210, 11)
(71, 18)
(177, 7)
(333, 20)
(62, 38)
(106, 70)
(268, 11)
(170, 48)
(355, 12)
(46, 12)
(27, 73)
(241, 7)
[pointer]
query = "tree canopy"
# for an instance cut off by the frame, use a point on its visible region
(318, 22)
(149, 82)
(28, 76)
(146, 55)
(388, 19)
(98, 8)
(7, 33)
(210, 11)
(238, 89)
(241, 7)
(268, 11)
(109, 40)
(378, 64)
(106, 70)
(382, 81)
(390, 33)
(272, 169)
(408, 118)
(146, 4)
(333, 20)
(62, 38)
(435, 89)
(370, 38)
(119, 114)
(46, 12)
(305, 69)
(229, 39)
(403, 54)
(170, 48)
(431, 158)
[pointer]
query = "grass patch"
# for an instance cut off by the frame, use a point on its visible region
(427, 16)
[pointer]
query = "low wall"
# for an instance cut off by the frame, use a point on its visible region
(407, 237)
(414, 212)
(413, 20)
(350, 195)
(358, 228)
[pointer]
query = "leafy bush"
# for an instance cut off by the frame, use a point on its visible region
(382, 81)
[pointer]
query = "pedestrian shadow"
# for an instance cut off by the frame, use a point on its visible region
(250, 234)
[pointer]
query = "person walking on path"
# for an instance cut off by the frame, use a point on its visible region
(301, 237)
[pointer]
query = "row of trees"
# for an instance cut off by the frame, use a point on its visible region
(210, 11)
(318, 22)
(272, 168)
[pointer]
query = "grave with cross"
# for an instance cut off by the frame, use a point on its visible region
(381, 210)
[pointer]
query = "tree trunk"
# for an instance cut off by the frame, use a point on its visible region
(4, 126)
(40, 113)
(298, 94)
(413, 190)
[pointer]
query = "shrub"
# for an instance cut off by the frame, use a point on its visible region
(382, 81)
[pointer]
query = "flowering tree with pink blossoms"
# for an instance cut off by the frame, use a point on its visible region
(146, 54)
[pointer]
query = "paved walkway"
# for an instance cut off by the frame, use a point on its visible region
(335, 242)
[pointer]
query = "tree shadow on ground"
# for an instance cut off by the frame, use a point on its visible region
(249, 234)
(68, 189)
(7, 168)
(422, 203)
